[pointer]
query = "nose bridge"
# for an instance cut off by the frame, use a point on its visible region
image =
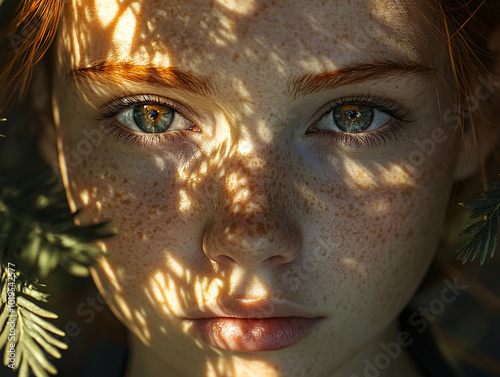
(252, 225)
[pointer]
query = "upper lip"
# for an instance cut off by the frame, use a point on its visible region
(246, 308)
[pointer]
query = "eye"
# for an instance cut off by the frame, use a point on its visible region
(153, 118)
(352, 118)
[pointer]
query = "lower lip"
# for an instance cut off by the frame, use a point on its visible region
(254, 334)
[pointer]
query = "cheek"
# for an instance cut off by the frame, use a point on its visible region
(376, 229)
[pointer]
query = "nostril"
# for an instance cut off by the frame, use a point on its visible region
(272, 261)
(265, 238)
(277, 260)
(222, 259)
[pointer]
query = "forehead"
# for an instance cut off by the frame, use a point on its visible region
(205, 35)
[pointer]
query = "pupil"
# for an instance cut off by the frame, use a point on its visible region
(353, 118)
(153, 114)
(352, 115)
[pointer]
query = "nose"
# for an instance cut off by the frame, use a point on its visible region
(253, 227)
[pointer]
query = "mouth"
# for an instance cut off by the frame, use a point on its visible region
(256, 327)
(253, 334)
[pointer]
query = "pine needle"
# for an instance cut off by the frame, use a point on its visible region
(480, 239)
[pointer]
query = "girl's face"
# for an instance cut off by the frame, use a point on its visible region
(254, 155)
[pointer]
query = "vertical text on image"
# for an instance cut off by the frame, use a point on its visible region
(11, 305)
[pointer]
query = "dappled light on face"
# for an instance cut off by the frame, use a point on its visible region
(309, 194)
(207, 290)
(165, 291)
(124, 30)
(84, 197)
(355, 266)
(177, 268)
(245, 148)
(373, 175)
(106, 14)
(359, 175)
(238, 192)
(237, 7)
(224, 35)
(125, 310)
(378, 205)
(141, 320)
(184, 201)
(112, 274)
(397, 174)
(236, 277)
(159, 162)
(214, 216)
(245, 99)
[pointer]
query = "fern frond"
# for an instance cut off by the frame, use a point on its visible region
(27, 338)
(40, 232)
(37, 234)
(481, 238)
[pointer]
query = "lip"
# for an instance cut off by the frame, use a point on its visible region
(252, 326)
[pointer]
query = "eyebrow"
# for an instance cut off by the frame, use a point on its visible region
(172, 77)
(356, 74)
(169, 77)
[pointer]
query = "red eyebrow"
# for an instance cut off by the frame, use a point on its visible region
(170, 77)
(313, 83)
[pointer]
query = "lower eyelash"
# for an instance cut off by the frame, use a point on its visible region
(371, 139)
(142, 140)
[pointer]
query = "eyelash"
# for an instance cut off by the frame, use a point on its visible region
(371, 139)
(113, 128)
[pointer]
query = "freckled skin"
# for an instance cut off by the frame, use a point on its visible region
(253, 206)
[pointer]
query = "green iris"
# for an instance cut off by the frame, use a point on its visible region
(153, 118)
(353, 118)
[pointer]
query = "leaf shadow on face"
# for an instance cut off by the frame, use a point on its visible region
(241, 213)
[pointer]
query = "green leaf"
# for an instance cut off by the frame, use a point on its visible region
(481, 238)
(492, 193)
(49, 338)
(480, 212)
(473, 228)
(481, 203)
(33, 335)
(493, 184)
(493, 229)
(37, 234)
(35, 309)
(41, 322)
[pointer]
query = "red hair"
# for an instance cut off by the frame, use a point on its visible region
(25, 39)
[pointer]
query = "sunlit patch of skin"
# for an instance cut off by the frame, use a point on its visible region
(84, 197)
(107, 13)
(359, 175)
(185, 202)
(235, 6)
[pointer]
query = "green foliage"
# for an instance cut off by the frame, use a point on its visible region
(37, 233)
(31, 336)
(480, 238)
(2, 119)
(38, 228)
